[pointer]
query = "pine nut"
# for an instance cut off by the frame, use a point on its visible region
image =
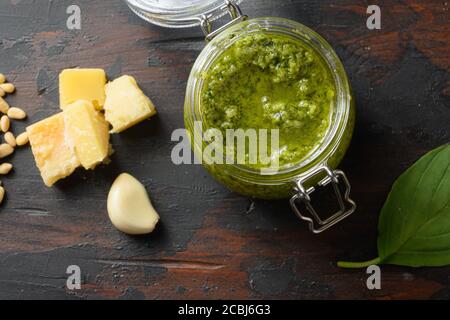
(5, 168)
(5, 150)
(4, 106)
(2, 78)
(16, 113)
(2, 92)
(22, 139)
(2, 194)
(8, 87)
(10, 139)
(5, 123)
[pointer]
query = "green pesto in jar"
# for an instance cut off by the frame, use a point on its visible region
(266, 81)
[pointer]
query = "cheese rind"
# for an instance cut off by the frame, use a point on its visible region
(82, 84)
(89, 132)
(126, 104)
(52, 149)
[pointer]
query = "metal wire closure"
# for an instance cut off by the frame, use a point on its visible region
(347, 206)
(235, 13)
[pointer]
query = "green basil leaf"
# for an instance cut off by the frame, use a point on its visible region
(414, 224)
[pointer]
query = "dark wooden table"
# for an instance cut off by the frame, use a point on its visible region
(213, 243)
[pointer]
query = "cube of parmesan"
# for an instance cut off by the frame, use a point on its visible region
(52, 149)
(126, 104)
(89, 132)
(82, 84)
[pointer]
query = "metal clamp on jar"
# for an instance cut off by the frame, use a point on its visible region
(299, 180)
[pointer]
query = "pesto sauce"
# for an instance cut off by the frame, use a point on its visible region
(266, 81)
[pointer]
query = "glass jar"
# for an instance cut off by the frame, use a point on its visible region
(178, 13)
(299, 180)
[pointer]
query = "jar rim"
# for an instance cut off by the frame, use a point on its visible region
(308, 37)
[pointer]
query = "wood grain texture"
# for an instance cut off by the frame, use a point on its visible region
(212, 243)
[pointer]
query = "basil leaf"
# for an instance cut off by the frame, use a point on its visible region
(414, 224)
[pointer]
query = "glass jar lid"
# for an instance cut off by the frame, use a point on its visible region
(179, 13)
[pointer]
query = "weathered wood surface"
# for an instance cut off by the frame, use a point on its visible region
(213, 243)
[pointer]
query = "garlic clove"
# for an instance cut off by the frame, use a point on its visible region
(130, 208)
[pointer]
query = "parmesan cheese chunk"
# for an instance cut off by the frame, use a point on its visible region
(89, 132)
(126, 104)
(53, 151)
(82, 84)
